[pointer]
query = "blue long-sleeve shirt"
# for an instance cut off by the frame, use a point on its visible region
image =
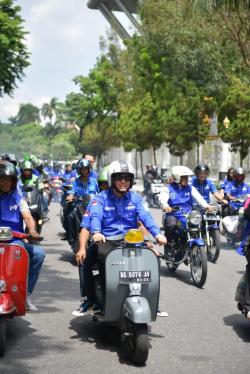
(112, 215)
(81, 189)
(204, 188)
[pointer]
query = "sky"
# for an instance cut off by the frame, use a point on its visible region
(64, 42)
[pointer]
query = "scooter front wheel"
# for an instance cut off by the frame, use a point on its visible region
(198, 265)
(3, 329)
(139, 344)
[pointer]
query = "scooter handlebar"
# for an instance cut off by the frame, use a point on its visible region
(21, 235)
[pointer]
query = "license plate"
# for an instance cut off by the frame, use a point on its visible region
(142, 276)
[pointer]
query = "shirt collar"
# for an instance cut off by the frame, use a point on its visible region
(114, 197)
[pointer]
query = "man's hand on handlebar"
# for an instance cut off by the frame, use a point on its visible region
(34, 235)
(98, 237)
(167, 209)
(209, 208)
(224, 201)
(161, 239)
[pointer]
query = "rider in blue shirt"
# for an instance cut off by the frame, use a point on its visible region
(116, 210)
(204, 185)
(229, 178)
(236, 189)
(179, 194)
(14, 211)
(84, 184)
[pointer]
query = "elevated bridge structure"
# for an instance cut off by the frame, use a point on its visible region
(108, 7)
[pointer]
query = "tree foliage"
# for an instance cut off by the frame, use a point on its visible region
(14, 57)
(237, 108)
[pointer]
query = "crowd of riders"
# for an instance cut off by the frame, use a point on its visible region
(101, 205)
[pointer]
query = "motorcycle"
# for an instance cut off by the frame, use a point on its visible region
(211, 233)
(14, 268)
(128, 291)
(74, 211)
(233, 225)
(242, 294)
(153, 192)
(56, 185)
(188, 247)
(34, 199)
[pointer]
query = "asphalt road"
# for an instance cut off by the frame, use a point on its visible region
(204, 332)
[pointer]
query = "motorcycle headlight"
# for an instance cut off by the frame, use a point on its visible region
(5, 234)
(134, 236)
(195, 218)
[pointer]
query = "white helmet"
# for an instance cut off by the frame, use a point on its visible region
(180, 171)
(117, 167)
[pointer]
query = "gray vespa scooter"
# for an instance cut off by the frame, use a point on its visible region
(130, 292)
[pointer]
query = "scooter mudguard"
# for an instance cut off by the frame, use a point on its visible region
(7, 305)
(196, 241)
(137, 310)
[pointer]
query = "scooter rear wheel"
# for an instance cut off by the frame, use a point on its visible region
(3, 329)
(139, 344)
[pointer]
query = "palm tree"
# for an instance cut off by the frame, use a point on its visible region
(27, 113)
(49, 110)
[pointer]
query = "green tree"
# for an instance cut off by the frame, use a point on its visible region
(237, 108)
(27, 113)
(49, 110)
(234, 16)
(14, 57)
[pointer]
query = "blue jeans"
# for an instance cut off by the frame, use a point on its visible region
(36, 255)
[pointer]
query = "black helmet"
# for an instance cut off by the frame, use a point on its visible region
(239, 171)
(83, 163)
(201, 167)
(8, 170)
(10, 157)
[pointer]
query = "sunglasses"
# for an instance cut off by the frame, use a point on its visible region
(120, 177)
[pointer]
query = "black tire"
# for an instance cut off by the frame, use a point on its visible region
(139, 344)
(3, 328)
(198, 265)
(213, 251)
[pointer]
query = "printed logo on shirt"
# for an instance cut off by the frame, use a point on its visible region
(94, 203)
(108, 208)
(13, 207)
(130, 207)
(187, 193)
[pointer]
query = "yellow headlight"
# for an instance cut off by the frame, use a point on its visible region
(134, 236)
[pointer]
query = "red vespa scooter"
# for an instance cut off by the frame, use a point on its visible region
(14, 267)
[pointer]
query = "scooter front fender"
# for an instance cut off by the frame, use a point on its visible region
(7, 305)
(137, 310)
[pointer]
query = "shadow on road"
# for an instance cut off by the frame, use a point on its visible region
(105, 337)
(16, 352)
(240, 325)
(180, 275)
